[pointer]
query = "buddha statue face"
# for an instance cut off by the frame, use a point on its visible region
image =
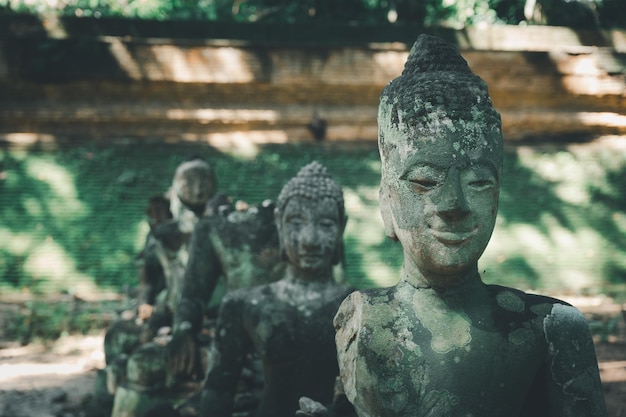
(441, 151)
(311, 233)
(440, 202)
(310, 219)
(194, 183)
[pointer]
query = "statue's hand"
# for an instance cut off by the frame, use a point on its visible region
(183, 357)
(144, 311)
(310, 408)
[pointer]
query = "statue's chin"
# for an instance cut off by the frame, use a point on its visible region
(194, 205)
(450, 276)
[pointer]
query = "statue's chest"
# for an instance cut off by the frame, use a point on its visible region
(286, 329)
(443, 358)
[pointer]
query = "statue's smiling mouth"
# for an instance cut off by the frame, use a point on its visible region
(308, 256)
(453, 237)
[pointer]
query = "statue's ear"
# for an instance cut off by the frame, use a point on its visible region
(340, 254)
(384, 201)
(277, 219)
(279, 229)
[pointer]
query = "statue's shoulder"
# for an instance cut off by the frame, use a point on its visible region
(542, 306)
(361, 303)
(250, 295)
(240, 303)
(371, 296)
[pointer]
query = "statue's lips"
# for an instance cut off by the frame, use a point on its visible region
(311, 256)
(453, 237)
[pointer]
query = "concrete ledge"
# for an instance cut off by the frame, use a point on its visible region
(544, 81)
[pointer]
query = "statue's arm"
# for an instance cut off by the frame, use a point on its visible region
(151, 275)
(347, 324)
(201, 275)
(229, 348)
(574, 386)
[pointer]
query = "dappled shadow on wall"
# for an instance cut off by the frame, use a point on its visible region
(562, 221)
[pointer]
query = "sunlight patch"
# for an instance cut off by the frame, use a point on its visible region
(61, 183)
(16, 243)
(50, 263)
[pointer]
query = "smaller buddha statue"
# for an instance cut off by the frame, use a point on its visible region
(164, 257)
(162, 265)
(232, 246)
(288, 322)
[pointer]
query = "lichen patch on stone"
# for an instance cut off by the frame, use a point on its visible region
(450, 329)
(510, 301)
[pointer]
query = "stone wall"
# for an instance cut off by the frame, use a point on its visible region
(67, 78)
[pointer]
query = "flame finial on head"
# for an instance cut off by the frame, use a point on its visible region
(438, 91)
(313, 182)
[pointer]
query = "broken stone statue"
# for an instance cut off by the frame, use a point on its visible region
(441, 342)
(288, 322)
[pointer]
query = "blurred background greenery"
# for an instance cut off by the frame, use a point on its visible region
(73, 218)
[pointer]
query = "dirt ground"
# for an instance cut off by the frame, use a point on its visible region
(58, 380)
(49, 381)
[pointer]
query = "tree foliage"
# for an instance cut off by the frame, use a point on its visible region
(454, 13)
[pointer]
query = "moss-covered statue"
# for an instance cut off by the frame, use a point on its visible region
(167, 247)
(289, 322)
(162, 262)
(441, 342)
(235, 245)
(164, 257)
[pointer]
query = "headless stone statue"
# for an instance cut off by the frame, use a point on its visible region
(441, 342)
(289, 322)
(238, 246)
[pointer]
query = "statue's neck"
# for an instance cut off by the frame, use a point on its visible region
(298, 275)
(462, 280)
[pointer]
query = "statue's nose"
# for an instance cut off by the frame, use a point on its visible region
(199, 190)
(309, 235)
(451, 199)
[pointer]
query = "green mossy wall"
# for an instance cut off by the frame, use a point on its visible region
(72, 218)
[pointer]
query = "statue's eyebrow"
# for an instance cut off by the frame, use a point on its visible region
(420, 164)
(490, 165)
(418, 160)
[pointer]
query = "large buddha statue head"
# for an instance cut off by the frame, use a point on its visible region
(440, 144)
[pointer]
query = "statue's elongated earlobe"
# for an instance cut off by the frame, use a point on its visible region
(279, 228)
(385, 211)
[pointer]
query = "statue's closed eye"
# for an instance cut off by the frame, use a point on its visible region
(423, 184)
(424, 178)
(480, 185)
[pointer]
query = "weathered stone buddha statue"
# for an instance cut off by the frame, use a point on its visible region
(193, 187)
(441, 342)
(162, 264)
(164, 257)
(288, 322)
(235, 246)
